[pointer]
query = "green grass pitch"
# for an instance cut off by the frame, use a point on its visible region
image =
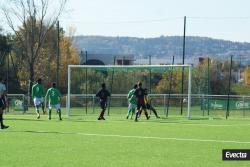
(118, 142)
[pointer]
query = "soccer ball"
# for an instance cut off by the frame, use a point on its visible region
(184, 100)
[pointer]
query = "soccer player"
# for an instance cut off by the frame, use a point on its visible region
(103, 94)
(38, 93)
(2, 102)
(140, 93)
(148, 104)
(53, 95)
(132, 101)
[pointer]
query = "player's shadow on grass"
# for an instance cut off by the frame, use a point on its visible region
(41, 132)
(25, 119)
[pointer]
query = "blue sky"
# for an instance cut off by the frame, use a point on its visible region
(224, 19)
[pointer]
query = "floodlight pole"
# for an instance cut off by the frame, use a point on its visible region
(58, 55)
(86, 85)
(183, 61)
(189, 91)
(208, 85)
(170, 86)
(68, 97)
(7, 84)
(111, 86)
(229, 86)
(150, 73)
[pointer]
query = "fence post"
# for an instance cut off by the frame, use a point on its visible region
(164, 102)
(93, 103)
(244, 112)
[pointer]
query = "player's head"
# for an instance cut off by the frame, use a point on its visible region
(139, 84)
(135, 86)
(53, 84)
(39, 80)
(103, 85)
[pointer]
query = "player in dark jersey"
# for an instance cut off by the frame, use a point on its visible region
(140, 93)
(103, 94)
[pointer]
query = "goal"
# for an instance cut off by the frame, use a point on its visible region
(85, 80)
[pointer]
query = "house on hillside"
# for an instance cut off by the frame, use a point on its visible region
(105, 59)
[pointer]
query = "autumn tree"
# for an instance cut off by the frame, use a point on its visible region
(31, 21)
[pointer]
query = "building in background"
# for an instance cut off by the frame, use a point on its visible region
(105, 59)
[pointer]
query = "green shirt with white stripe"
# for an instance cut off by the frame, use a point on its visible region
(53, 95)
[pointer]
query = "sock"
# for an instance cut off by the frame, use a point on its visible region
(146, 113)
(42, 107)
(49, 113)
(133, 111)
(154, 111)
(137, 115)
(37, 109)
(129, 111)
(59, 113)
(102, 114)
(1, 119)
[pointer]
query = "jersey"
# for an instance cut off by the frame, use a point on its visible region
(140, 93)
(53, 95)
(131, 97)
(103, 95)
(38, 91)
(147, 99)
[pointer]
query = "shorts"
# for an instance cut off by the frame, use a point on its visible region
(141, 104)
(132, 106)
(103, 105)
(148, 106)
(2, 103)
(38, 101)
(56, 106)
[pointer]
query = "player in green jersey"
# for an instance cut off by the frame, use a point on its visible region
(38, 93)
(132, 102)
(53, 95)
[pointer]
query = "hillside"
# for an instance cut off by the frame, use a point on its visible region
(164, 46)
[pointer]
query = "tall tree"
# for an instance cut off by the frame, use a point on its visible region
(31, 22)
(4, 47)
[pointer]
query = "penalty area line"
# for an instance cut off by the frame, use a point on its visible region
(140, 137)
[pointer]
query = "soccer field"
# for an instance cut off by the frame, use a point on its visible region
(118, 142)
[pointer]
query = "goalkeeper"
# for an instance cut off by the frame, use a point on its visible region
(38, 93)
(132, 102)
(54, 96)
(148, 103)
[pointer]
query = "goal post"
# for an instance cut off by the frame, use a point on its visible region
(124, 68)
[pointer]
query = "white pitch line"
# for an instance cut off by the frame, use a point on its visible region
(166, 138)
(149, 137)
(216, 125)
(192, 124)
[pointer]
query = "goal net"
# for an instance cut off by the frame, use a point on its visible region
(164, 83)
